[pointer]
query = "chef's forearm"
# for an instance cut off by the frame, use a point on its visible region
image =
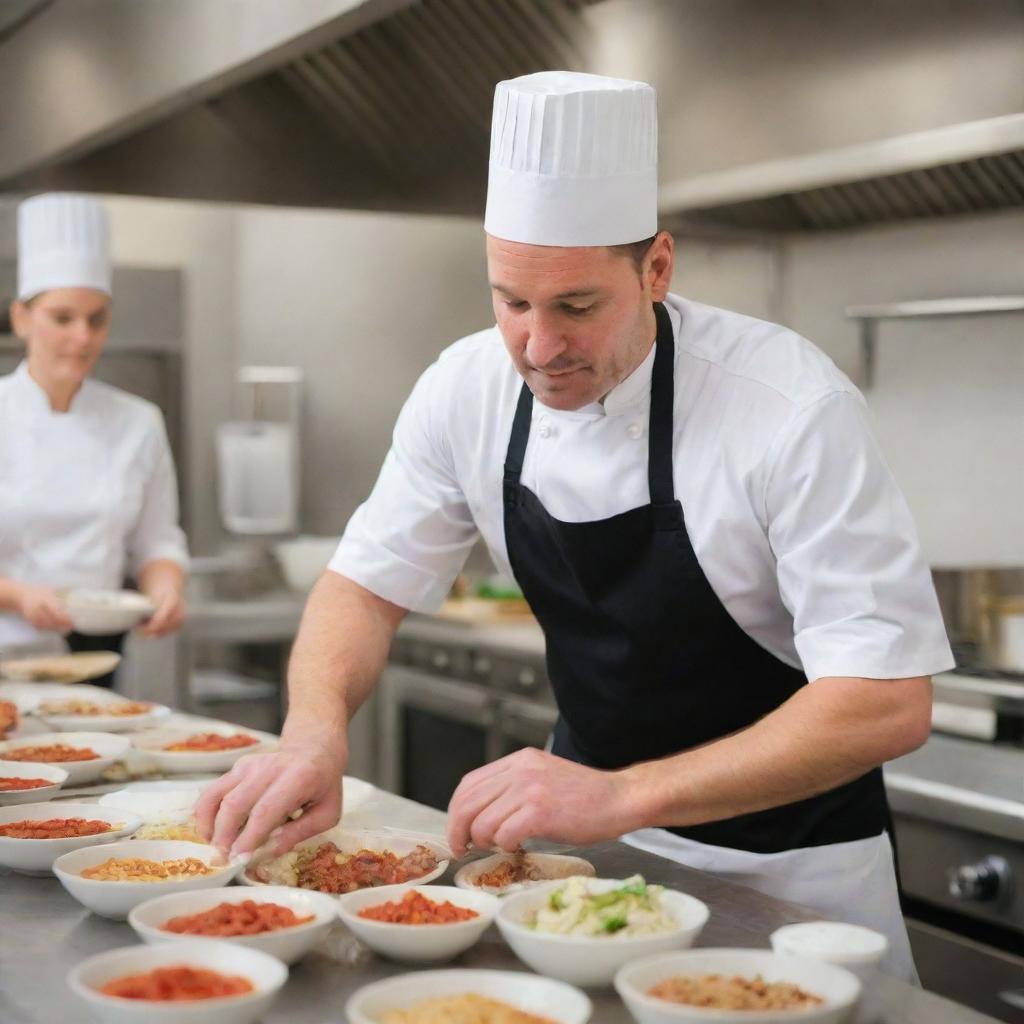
(829, 733)
(339, 654)
(9, 595)
(161, 576)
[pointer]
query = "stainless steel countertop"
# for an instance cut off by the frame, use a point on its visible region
(44, 932)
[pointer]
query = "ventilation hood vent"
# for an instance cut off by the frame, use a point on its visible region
(963, 169)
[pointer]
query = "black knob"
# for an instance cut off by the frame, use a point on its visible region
(982, 882)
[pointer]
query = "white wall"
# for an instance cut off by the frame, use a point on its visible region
(948, 399)
(363, 303)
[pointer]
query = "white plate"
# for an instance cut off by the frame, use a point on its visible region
(103, 612)
(28, 770)
(287, 944)
(349, 841)
(172, 805)
(108, 723)
(554, 866)
(115, 899)
(593, 960)
(837, 986)
(266, 973)
(108, 746)
(418, 943)
(552, 999)
(36, 856)
(153, 744)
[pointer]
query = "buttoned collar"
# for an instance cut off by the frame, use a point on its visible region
(35, 401)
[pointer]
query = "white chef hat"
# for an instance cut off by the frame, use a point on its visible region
(574, 160)
(63, 242)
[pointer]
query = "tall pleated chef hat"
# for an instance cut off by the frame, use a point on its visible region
(63, 242)
(574, 160)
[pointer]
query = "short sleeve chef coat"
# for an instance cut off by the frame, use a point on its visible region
(790, 507)
(87, 496)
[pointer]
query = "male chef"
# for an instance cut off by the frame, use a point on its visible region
(740, 625)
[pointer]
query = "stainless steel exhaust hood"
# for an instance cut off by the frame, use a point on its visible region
(385, 104)
(377, 104)
(965, 168)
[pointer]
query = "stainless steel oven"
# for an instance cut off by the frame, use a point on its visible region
(447, 708)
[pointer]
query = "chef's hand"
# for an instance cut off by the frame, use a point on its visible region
(43, 608)
(169, 614)
(534, 795)
(239, 811)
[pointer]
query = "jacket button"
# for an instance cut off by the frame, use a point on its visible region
(635, 431)
(545, 430)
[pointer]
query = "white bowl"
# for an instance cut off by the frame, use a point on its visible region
(303, 559)
(107, 723)
(418, 943)
(352, 840)
(287, 944)
(554, 866)
(173, 804)
(593, 960)
(115, 899)
(36, 856)
(552, 999)
(100, 612)
(109, 747)
(28, 770)
(266, 973)
(860, 950)
(838, 987)
(153, 743)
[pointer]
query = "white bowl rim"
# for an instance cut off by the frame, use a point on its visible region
(386, 892)
(469, 975)
(7, 767)
(509, 903)
(68, 739)
(130, 848)
(261, 987)
(325, 913)
(623, 981)
(467, 871)
(130, 823)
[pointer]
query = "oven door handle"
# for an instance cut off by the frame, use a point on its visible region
(526, 721)
(463, 701)
(1013, 997)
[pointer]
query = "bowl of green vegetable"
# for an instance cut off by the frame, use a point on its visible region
(582, 930)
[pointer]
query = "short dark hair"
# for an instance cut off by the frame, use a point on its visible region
(636, 251)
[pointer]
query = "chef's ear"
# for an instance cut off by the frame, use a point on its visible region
(19, 313)
(658, 264)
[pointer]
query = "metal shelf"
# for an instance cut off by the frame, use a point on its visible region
(870, 315)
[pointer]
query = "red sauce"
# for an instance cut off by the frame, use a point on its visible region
(363, 869)
(55, 828)
(228, 919)
(177, 984)
(51, 754)
(415, 908)
(208, 741)
(10, 784)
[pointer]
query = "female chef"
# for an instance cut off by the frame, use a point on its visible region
(88, 495)
(740, 625)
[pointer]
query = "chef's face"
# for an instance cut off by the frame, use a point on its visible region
(576, 322)
(65, 330)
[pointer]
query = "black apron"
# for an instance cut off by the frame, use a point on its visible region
(644, 659)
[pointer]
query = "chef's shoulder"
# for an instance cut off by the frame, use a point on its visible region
(764, 360)
(469, 384)
(126, 416)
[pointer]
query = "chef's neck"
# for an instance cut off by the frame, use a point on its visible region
(60, 393)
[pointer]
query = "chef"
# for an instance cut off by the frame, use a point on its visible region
(740, 624)
(87, 488)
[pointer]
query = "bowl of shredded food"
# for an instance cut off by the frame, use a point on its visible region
(730, 986)
(33, 836)
(24, 783)
(286, 923)
(339, 861)
(112, 879)
(418, 924)
(83, 755)
(484, 997)
(583, 930)
(198, 982)
(100, 715)
(506, 873)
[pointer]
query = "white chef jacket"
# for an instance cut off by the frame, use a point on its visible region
(87, 496)
(790, 507)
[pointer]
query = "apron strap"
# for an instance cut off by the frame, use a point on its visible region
(659, 440)
(520, 435)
